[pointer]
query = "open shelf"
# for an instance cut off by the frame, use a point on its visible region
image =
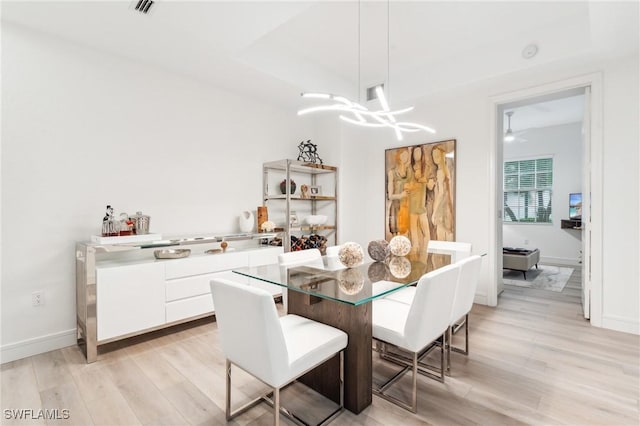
(311, 198)
(299, 166)
(571, 224)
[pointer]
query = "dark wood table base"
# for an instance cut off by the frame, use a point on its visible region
(356, 322)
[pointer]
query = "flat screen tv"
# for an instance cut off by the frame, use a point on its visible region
(575, 205)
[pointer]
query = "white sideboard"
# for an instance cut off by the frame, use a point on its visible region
(119, 295)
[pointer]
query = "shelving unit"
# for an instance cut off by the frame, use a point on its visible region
(282, 206)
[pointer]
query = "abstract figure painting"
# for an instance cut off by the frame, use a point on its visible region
(420, 193)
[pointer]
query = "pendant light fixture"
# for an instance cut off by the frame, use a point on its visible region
(508, 135)
(355, 113)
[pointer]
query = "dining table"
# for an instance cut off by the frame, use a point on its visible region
(341, 297)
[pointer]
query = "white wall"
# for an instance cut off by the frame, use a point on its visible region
(82, 129)
(564, 143)
(464, 114)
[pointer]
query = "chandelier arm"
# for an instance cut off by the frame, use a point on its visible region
(392, 113)
(417, 126)
(361, 123)
(334, 107)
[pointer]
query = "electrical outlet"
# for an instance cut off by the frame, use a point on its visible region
(37, 298)
(526, 242)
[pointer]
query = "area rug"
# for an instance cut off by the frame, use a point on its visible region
(547, 277)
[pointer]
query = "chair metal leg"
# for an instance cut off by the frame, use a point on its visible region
(273, 399)
(414, 386)
(466, 338)
(425, 369)
(276, 407)
(228, 391)
(446, 347)
(466, 334)
(449, 340)
(412, 364)
(228, 413)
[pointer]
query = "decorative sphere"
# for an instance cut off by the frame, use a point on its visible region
(400, 267)
(350, 281)
(400, 245)
(377, 272)
(378, 250)
(350, 254)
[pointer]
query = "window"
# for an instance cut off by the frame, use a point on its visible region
(527, 190)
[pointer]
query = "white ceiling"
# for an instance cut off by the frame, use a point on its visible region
(273, 49)
(548, 113)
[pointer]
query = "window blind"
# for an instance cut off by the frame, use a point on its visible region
(527, 190)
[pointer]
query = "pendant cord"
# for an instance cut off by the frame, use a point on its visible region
(388, 52)
(359, 59)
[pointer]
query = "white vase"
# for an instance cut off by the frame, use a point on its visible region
(246, 221)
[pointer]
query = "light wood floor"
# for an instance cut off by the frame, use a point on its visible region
(534, 360)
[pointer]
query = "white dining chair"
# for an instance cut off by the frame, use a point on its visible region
(332, 250)
(310, 257)
(333, 261)
(463, 302)
(457, 250)
(275, 350)
(415, 328)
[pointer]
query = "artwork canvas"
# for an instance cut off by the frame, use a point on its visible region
(420, 193)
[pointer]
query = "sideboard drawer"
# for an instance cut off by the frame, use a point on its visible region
(183, 288)
(187, 308)
(197, 265)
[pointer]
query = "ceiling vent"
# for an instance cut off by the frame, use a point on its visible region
(144, 6)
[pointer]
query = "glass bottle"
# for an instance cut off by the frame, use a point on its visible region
(110, 225)
(126, 225)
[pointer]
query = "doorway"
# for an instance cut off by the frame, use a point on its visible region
(591, 86)
(542, 197)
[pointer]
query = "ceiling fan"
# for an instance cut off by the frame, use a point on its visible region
(510, 135)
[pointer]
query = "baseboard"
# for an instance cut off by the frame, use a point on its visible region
(481, 299)
(560, 261)
(626, 325)
(37, 345)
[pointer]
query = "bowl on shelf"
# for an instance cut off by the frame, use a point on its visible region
(171, 253)
(316, 219)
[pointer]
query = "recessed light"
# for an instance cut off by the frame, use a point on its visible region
(530, 51)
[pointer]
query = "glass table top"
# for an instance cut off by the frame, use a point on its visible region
(353, 286)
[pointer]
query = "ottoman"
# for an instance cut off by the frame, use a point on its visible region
(518, 259)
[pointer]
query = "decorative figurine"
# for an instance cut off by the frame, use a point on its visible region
(304, 189)
(309, 152)
(110, 226)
